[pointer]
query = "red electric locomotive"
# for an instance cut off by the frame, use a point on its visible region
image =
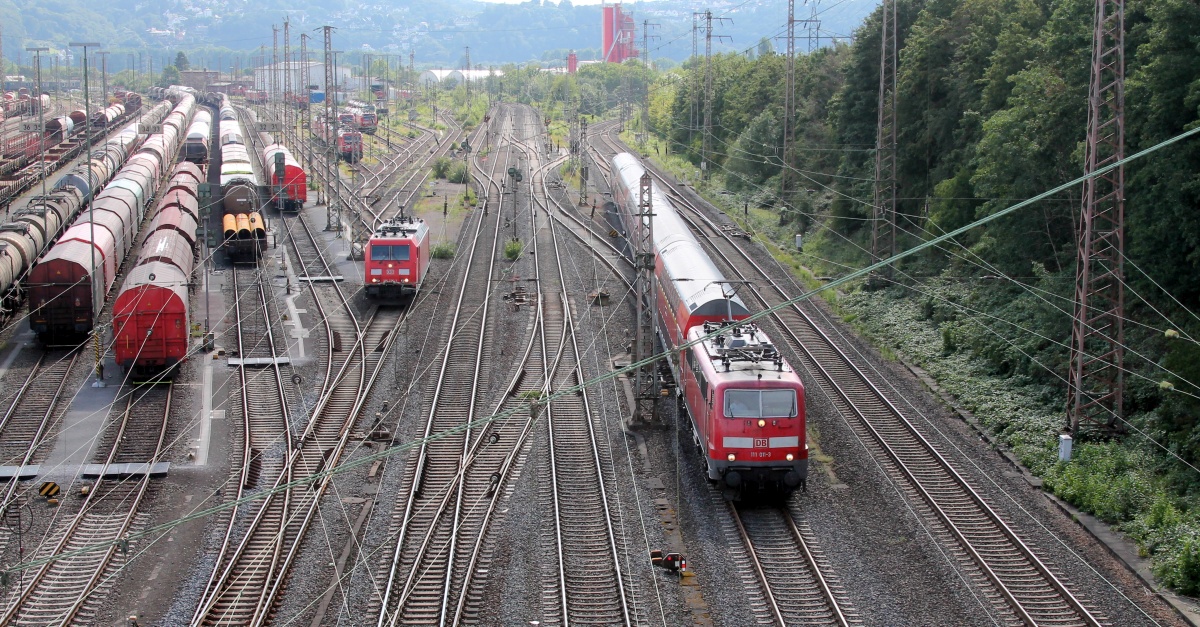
(745, 403)
(347, 140)
(395, 258)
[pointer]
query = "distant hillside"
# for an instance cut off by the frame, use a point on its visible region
(438, 31)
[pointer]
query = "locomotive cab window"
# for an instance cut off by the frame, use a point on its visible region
(384, 252)
(760, 403)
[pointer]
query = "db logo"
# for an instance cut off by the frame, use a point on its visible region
(760, 442)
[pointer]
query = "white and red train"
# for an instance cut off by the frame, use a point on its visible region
(745, 402)
(395, 258)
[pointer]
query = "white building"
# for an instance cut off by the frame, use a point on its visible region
(449, 78)
(271, 78)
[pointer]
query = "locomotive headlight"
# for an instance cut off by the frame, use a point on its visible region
(790, 457)
(762, 423)
(731, 457)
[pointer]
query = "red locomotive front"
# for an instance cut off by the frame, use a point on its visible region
(395, 258)
(747, 406)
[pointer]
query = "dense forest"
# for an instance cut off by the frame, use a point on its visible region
(992, 110)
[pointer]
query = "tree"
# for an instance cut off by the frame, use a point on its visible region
(765, 47)
(755, 155)
(170, 76)
(181, 61)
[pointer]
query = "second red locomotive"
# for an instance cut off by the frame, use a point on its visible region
(395, 258)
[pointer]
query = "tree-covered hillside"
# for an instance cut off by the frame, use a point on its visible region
(992, 109)
(438, 32)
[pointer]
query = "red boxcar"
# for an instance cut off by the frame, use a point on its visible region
(150, 318)
(294, 180)
(175, 218)
(150, 315)
(62, 283)
(395, 258)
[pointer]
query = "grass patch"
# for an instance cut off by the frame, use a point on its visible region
(442, 251)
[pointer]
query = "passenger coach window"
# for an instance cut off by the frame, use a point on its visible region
(760, 403)
(380, 252)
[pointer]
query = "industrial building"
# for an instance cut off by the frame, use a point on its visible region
(450, 78)
(617, 33)
(270, 78)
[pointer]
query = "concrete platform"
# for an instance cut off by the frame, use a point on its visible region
(20, 473)
(120, 471)
(258, 362)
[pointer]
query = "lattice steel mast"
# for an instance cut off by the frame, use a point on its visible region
(646, 381)
(883, 223)
(1096, 382)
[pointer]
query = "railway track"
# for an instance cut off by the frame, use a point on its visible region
(423, 583)
(418, 165)
(81, 560)
(318, 438)
(797, 583)
(1019, 587)
(590, 548)
(246, 561)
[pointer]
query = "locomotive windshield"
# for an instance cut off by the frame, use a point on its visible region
(384, 252)
(760, 403)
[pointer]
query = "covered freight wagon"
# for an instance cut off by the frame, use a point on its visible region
(292, 177)
(150, 318)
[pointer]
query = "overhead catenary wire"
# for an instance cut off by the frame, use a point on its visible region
(389, 451)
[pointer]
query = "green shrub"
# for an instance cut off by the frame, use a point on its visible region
(458, 172)
(1181, 568)
(513, 249)
(442, 251)
(441, 167)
